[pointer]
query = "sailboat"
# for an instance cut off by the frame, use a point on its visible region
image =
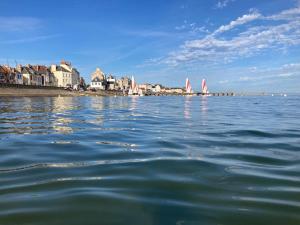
(188, 86)
(204, 88)
(134, 89)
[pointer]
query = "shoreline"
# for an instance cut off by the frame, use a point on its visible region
(34, 92)
(56, 92)
(41, 92)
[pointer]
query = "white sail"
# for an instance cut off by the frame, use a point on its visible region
(134, 87)
(188, 86)
(204, 87)
(133, 83)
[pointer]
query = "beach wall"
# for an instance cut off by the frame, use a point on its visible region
(31, 92)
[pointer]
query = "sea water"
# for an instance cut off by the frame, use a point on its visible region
(150, 160)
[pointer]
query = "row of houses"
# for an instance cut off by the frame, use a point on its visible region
(159, 89)
(63, 75)
(101, 81)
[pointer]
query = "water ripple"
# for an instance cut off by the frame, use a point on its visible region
(150, 160)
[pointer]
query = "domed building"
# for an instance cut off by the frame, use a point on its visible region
(98, 80)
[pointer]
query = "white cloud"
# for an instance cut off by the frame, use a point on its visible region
(191, 28)
(19, 23)
(290, 14)
(216, 48)
(284, 72)
(239, 21)
(222, 4)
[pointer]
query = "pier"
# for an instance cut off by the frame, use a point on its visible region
(217, 94)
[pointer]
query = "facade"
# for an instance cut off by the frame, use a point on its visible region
(111, 83)
(34, 76)
(65, 75)
(173, 90)
(149, 88)
(17, 76)
(98, 80)
(47, 78)
(124, 83)
(98, 84)
(27, 76)
(75, 77)
(4, 74)
(10, 75)
(156, 88)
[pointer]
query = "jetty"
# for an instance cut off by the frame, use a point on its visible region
(218, 94)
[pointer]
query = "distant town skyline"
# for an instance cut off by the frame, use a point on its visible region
(248, 45)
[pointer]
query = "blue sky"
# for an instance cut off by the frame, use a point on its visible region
(237, 45)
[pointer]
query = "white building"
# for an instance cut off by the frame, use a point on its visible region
(98, 80)
(156, 88)
(99, 84)
(65, 74)
(19, 78)
(124, 83)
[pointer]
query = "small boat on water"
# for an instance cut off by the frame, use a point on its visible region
(134, 89)
(204, 88)
(188, 87)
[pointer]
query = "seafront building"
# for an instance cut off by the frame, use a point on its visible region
(111, 83)
(29, 75)
(150, 88)
(39, 75)
(4, 74)
(63, 75)
(100, 81)
(175, 90)
(124, 83)
(66, 76)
